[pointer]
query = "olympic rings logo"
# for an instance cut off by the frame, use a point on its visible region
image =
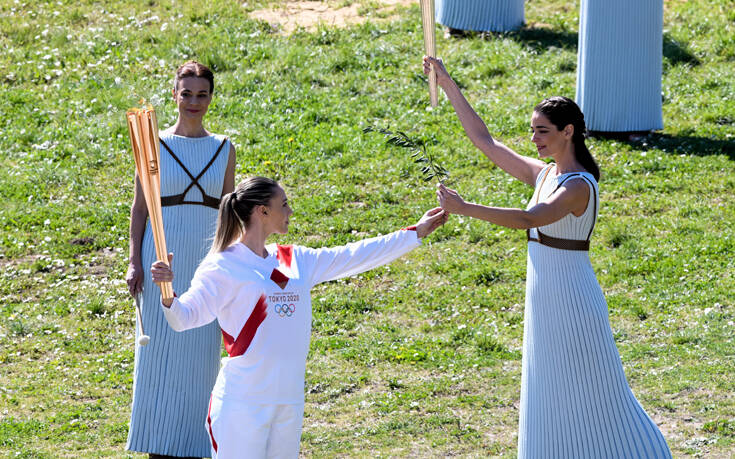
(285, 310)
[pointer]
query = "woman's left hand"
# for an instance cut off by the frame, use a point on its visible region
(450, 200)
(431, 220)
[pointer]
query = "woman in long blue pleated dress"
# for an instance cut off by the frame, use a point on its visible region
(480, 15)
(619, 65)
(174, 374)
(575, 399)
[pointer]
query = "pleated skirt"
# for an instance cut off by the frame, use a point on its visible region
(619, 64)
(480, 15)
(575, 399)
(174, 374)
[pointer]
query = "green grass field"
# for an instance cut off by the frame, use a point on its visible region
(421, 358)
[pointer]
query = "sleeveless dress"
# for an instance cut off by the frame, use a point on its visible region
(575, 400)
(480, 15)
(619, 64)
(174, 374)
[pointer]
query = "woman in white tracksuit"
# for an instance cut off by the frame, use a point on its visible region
(260, 294)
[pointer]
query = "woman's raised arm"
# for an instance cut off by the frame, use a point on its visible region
(521, 167)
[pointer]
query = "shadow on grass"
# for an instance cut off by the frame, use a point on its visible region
(677, 53)
(538, 38)
(685, 144)
(543, 38)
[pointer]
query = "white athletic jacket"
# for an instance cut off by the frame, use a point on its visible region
(263, 306)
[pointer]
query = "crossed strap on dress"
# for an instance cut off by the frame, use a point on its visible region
(177, 199)
(559, 243)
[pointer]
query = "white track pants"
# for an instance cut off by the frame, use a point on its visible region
(240, 430)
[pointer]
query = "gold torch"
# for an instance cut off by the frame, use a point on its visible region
(143, 128)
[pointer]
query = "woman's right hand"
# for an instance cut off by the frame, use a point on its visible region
(134, 279)
(431, 220)
(442, 76)
(161, 271)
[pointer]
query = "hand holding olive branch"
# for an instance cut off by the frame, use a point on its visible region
(430, 168)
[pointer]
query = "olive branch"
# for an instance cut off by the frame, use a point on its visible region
(430, 168)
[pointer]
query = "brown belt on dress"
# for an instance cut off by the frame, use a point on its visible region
(557, 243)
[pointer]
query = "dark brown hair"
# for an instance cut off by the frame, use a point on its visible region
(194, 69)
(562, 111)
(236, 208)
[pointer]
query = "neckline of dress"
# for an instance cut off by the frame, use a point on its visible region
(183, 137)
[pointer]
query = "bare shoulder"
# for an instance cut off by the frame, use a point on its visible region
(576, 192)
(576, 186)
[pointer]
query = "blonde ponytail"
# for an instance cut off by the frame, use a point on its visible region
(228, 225)
(235, 209)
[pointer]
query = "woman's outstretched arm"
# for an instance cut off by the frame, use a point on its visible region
(348, 260)
(572, 197)
(521, 167)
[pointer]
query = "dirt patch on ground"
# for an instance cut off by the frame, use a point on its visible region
(290, 16)
(11, 263)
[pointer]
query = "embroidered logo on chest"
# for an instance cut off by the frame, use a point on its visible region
(284, 303)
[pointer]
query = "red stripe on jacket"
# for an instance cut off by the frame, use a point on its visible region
(279, 278)
(285, 254)
(209, 423)
(237, 347)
